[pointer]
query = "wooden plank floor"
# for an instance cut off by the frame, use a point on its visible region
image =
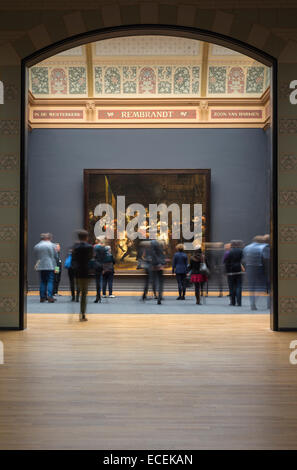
(148, 382)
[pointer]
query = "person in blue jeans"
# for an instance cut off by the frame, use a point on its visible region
(45, 253)
(108, 271)
(179, 267)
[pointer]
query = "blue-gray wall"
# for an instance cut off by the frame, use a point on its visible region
(238, 159)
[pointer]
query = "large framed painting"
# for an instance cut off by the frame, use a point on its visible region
(127, 207)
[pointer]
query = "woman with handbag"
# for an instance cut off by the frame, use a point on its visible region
(199, 273)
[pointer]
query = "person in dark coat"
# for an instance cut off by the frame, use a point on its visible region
(72, 277)
(234, 268)
(179, 267)
(198, 278)
(158, 263)
(82, 253)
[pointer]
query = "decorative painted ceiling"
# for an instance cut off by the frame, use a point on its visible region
(149, 66)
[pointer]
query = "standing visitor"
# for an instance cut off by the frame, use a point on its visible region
(216, 253)
(58, 269)
(235, 271)
(108, 271)
(198, 270)
(179, 267)
(145, 263)
(99, 255)
(158, 264)
(227, 248)
(82, 254)
(45, 264)
(266, 264)
(254, 260)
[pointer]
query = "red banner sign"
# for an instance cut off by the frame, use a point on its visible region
(56, 114)
(236, 114)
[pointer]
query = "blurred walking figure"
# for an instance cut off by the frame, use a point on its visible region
(82, 254)
(254, 261)
(108, 272)
(227, 248)
(58, 269)
(214, 255)
(198, 273)
(99, 254)
(266, 263)
(145, 263)
(46, 262)
(235, 269)
(179, 267)
(158, 264)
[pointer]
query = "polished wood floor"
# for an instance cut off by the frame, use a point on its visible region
(148, 382)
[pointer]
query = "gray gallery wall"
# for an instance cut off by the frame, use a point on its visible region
(239, 160)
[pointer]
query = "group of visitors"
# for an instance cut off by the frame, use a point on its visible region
(84, 258)
(81, 259)
(254, 260)
(153, 261)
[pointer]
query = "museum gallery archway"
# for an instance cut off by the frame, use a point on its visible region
(208, 109)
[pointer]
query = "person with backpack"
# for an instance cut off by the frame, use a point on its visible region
(108, 272)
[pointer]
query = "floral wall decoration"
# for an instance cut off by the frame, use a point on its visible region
(217, 80)
(39, 80)
(236, 80)
(182, 81)
(153, 80)
(77, 80)
(147, 81)
(112, 80)
(255, 79)
(58, 82)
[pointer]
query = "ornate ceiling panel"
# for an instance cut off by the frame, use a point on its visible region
(148, 46)
(149, 66)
